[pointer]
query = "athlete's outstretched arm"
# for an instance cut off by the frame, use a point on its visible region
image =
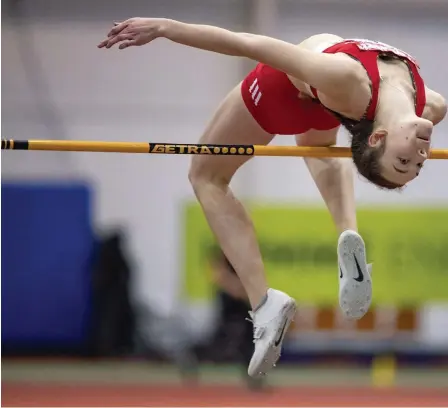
(333, 178)
(332, 74)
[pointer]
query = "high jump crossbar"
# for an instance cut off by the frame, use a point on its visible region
(175, 148)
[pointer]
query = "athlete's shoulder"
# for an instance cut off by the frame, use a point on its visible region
(315, 41)
(436, 106)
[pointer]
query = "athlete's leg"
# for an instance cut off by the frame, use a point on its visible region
(210, 176)
(334, 179)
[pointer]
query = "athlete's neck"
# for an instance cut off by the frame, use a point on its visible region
(395, 106)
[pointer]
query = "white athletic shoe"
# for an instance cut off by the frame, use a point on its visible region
(355, 282)
(270, 322)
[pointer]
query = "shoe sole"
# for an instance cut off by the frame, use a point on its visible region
(354, 297)
(274, 352)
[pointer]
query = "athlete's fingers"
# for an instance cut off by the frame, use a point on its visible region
(118, 38)
(104, 43)
(129, 43)
(118, 27)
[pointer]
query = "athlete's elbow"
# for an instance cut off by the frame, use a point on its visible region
(235, 44)
(252, 46)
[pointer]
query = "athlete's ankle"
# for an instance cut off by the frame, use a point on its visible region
(353, 228)
(257, 301)
(261, 303)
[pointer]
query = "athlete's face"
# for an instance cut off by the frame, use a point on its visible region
(407, 147)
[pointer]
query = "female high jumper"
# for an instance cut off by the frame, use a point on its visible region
(373, 89)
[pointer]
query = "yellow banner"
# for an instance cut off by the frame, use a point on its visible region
(408, 247)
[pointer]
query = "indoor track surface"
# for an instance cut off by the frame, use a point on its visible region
(118, 384)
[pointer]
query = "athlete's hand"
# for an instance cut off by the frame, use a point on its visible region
(134, 32)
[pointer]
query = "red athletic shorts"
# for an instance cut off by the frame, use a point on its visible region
(275, 104)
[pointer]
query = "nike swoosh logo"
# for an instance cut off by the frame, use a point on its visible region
(341, 275)
(279, 340)
(360, 277)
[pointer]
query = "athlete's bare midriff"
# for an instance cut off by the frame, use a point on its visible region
(393, 70)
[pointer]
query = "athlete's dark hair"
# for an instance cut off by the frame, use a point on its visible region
(366, 157)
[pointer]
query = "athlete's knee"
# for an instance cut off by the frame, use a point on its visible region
(202, 176)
